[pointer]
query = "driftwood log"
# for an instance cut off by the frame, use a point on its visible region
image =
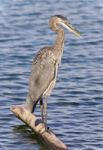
(48, 138)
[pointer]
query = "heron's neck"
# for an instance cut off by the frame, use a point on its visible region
(59, 44)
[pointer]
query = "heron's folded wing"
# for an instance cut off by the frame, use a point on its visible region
(42, 74)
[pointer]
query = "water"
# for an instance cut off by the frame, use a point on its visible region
(75, 108)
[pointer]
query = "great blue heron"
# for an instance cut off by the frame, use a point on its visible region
(45, 67)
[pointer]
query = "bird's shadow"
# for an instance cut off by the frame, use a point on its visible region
(28, 134)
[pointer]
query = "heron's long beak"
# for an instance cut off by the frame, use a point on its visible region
(69, 27)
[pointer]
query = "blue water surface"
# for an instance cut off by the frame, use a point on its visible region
(75, 108)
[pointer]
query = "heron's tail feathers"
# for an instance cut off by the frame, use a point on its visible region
(31, 104)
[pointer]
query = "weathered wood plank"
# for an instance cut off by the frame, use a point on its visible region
(48, 138)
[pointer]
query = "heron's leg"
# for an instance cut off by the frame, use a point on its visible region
(45, 113)
(42, 108)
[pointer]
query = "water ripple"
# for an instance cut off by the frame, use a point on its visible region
(75, 107)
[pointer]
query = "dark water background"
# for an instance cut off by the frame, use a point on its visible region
(75, 111)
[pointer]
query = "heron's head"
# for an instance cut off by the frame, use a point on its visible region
(58, 20)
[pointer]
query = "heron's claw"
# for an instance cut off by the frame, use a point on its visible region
(49, 130)
(46, 128)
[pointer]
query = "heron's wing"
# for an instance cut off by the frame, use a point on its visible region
(42, 74)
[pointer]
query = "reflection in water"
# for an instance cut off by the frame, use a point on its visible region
(28, 134)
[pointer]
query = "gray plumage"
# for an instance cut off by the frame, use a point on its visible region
(45, 65)
(42, 76)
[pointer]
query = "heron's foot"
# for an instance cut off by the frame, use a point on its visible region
(46, 128)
